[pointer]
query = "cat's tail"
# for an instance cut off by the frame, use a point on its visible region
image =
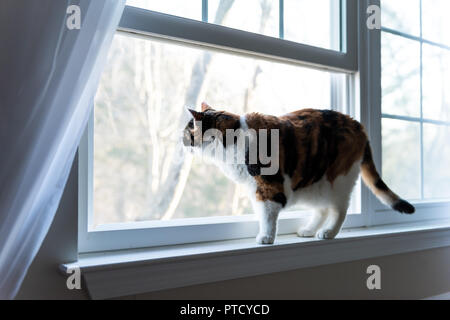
(373, 180)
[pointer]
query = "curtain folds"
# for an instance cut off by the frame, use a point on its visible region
(48, 78)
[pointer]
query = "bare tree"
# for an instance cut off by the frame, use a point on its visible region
(239, 194)
(174, 184)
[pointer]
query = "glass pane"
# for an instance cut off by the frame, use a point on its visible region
(401, 157)
(316, 23)
(436, 83)
(436, 161)
(139, 173)
(400, 63)
(401, 15)
(436, 22)
(258, 16)
(191, 9)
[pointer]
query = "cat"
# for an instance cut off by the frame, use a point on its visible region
(320, 156)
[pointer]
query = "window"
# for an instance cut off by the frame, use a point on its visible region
(285, 19)
(191, 9)
(138, 115)
(416, 102)
(137, 189)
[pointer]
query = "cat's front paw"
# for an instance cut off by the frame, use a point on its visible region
(265, 239)
(326, 234)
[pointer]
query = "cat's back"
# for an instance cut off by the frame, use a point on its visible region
(323, 126)
(314, 143)
(323, 119)
(324, 142)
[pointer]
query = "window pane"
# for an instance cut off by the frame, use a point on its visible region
(401, 157)
(139, 114)
(258, 16)
(191, 9)
(400, 62)
(436, 83)
(316, 23)
(436, 23)
(436, 161)
(401, 15)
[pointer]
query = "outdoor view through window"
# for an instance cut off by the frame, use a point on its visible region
(415, 62)
(140, 112)
(138, 172)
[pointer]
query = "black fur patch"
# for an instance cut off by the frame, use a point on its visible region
(280, 198)
(236, 126)
(276, 178)
(330, 116)
(306, 166)
(301, 118)
(254, 169)
(290, 149)
(192, 140)
(330, 134)
(208, 122)
(357, 125)
(367, 158)
(316, 165)
(380, 185)
(403, 207)
(319, 161)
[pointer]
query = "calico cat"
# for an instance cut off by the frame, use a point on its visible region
(319, 157)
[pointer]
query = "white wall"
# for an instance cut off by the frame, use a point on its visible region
(408, 276)
(44, 281)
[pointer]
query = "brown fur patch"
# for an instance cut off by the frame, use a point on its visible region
(313, 144)
(325, 143)
(268, 191)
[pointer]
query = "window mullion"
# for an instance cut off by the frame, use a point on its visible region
(370, 99)
(422, 195)
(281, 19)
(205, 10)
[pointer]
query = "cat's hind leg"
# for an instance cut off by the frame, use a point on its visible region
(339, 203)
(333, 223)
(313, 224)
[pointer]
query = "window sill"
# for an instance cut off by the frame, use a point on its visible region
(127, 272)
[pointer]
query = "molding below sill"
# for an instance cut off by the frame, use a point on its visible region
(135, 271)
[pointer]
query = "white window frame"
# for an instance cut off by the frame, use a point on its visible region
(380, 214)
(360, 62)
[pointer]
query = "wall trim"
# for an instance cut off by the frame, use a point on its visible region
(129, 272)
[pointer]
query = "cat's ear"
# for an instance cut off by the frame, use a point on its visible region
(206, 107)
(198, 116)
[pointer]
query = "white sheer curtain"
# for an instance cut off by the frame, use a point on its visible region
(48, 77)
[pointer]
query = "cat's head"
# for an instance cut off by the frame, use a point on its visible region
(208, 126)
